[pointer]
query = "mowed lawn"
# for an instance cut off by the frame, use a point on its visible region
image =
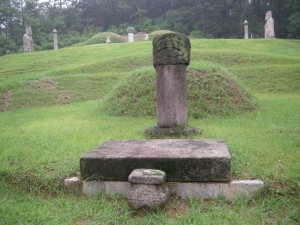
(53, 112)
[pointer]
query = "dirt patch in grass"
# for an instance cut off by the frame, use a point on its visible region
(64, 97)
(6, 101)
(48, 85)
(283, 188)
(176, 207)
(84, 221)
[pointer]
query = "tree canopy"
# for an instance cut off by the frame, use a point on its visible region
(76, 20)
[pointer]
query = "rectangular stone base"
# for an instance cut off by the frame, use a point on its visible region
(198, 190)
(183, 160)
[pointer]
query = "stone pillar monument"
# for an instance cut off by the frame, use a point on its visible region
(246, 31)
(269, 26)
(28, 41)
(130, 31)
(171, 56)
(55, 45)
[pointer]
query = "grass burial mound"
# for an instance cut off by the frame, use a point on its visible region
(101, 38)
(210, 92)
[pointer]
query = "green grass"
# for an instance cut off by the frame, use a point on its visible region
(42, 138)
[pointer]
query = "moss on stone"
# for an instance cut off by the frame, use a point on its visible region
(171, 49)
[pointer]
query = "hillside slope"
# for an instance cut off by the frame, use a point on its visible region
(54, 103)
(91, 72)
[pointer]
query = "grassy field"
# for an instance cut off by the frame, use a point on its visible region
(53, 111)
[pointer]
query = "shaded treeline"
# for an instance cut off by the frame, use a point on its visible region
(76, 20)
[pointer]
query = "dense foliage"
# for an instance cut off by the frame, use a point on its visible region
(76, 20)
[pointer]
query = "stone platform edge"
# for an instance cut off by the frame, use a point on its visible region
(199, 190)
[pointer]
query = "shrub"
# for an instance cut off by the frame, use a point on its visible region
(7, 46)
(196, 34)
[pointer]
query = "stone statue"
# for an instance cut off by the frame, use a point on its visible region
(28, 41)
(146, 37)
(130, 31)
(108, 40)
(269, 26)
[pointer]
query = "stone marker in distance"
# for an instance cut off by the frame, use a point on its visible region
(269, 25)
(130, 31)
(55, 43)
(28, 41)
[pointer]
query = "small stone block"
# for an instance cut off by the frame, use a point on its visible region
(72, 183)
(147, 176)
(147, 196)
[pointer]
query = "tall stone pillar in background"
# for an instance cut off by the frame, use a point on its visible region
(28, 41)
(55, 44)
(246, 30)
(130, 31)
(269, 26)
(171, 56)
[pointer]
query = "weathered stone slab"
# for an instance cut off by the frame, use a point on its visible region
(199, 190)
(185, 160)
(228, 190)
(93, 188)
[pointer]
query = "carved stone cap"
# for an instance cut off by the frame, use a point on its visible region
(130, 30)
(54, 31)
(246, 22)
(171, 49)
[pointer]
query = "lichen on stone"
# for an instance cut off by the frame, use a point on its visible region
(171, 49)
